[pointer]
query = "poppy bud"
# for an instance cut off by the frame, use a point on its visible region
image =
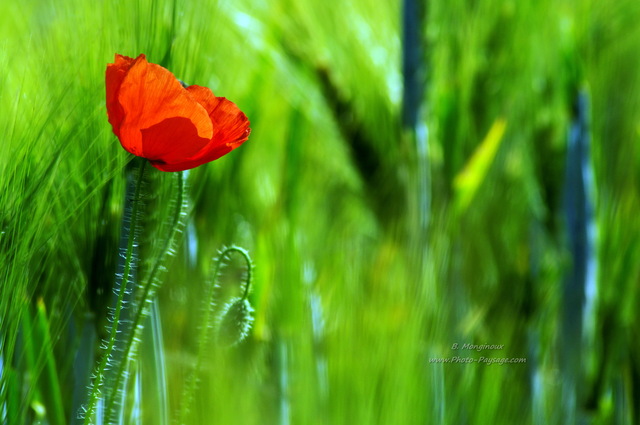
(235, 322)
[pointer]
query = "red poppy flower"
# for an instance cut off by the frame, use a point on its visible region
(174, 127)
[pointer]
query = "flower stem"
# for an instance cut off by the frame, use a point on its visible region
(134, 204)
(148, 292)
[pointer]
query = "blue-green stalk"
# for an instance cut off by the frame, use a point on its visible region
(126, 275)
(148, 291)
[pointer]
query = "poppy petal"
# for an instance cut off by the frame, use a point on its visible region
(230, 129)
(230, 124)
(115, 75)
(159, 141)
(150, 94)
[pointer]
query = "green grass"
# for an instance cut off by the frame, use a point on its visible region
(356, 286)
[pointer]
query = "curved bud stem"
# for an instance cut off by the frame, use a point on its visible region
(208, 322)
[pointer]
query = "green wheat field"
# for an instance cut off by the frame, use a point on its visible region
(440, 201)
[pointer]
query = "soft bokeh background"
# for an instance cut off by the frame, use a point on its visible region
(380, 238)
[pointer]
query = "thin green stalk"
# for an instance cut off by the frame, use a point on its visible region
(49, 381)
(129, 260)
(148, 292)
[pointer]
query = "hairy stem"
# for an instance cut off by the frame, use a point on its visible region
(148, 291)
(128, 264)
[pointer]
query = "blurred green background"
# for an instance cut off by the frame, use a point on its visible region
(485, 192)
